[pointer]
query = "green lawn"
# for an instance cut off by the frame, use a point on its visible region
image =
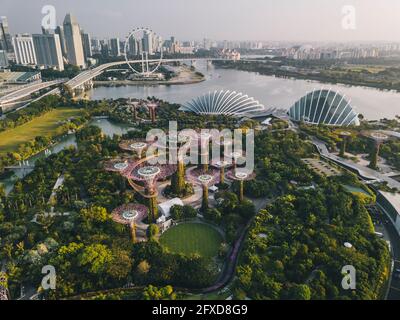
(188, 238)
(45, 125)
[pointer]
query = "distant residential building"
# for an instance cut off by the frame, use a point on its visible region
(186, 50)
(60, 31)
(3, 59)
(115, 48)
(207, 43)
(5, 37)
(87, 46)
(48, 51)
(230, 54)
(73, 40)
(24, 49)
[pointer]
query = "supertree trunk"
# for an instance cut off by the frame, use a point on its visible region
(222, 175)
(241, 190)
(180, 178)
(204, 202)
(133, 232)
(343, 148)
(153, 212)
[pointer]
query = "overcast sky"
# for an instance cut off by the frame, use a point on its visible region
(291, 20)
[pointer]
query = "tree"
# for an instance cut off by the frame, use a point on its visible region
(229, 202)
(213, 215)
(143, 267)
(96, 257)
(120, 266)
(95, 214)
(177, 212)
(152, 231)
(189, 212)
(300, 292)
(153, 293)
(245, 209)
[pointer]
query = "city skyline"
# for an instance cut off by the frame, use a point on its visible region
(261, 20)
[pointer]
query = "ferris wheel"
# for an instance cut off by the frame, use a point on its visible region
(143, 42)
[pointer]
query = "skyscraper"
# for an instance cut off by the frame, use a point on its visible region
(5, 37)
(48, 50)
(60, 31)
(73, 41)
(133, 47)
(24, 49)
(104, 49)
(115, 49)
(87, 46)
(148, 42)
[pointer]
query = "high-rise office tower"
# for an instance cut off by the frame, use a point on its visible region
(24, 49)
(60, 31)
(73, 41)
(133, 46)
(5, 37)
(115, 49)
(87, 46)
(148, 42)
(48, 50)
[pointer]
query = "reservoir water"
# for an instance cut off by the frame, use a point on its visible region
(271, 91)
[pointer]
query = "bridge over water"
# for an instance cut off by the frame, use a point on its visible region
(84, 79)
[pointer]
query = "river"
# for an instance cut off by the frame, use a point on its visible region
(271, 91)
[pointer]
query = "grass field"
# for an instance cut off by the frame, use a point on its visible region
(45, 125)
(188, 238)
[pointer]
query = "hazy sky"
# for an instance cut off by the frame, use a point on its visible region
(293, 20)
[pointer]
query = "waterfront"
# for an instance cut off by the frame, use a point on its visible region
(271, 91)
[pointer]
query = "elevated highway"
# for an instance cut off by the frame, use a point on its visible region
(28, 90)
(86, 76)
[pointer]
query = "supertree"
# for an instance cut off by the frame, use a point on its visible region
(344, 135)
(378, 139)
(116, 165)
(178, 179)
(204, 144)
(235, 156)
(134, 105)
(132, 215)
(205, 181)
(149, 175)
(152, 106)
(241, 175)
(136, 146)
(221, 165)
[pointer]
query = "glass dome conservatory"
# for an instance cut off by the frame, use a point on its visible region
(224, 102)
(324, 107)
